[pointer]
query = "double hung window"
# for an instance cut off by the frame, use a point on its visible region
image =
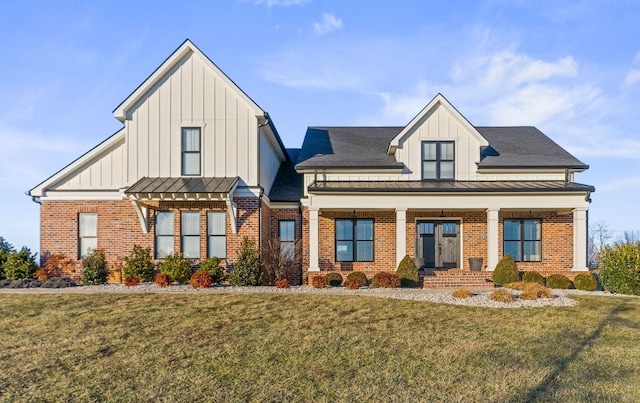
(217, 234)
(287, 236)
(164, 234)
(87, 233)
(190, 228)
(190, 151)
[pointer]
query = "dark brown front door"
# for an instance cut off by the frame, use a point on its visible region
(438, 242)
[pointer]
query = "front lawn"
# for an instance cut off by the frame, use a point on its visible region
(169, 347)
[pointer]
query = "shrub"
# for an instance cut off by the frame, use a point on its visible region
(358, 275)
(408, 272)
(20, 283)
(518, 285)
(54, 267)
(558, 281)
(5, 249)
(212, 266)
(20, 265)
(462, 293)
(200, 279)
(163, 280)
(248, 269)
(94, 268)
(334, 279)
(283, 283)
(58, 282)
(533, 277)
(585, 282)
(319, 281)
(176, 266)
(138, 264)
(131, 281)
(620, 270)
(506, 271)
(501, 295)
(529, 295)
(354, 283)
(386, 280)
(533, 291)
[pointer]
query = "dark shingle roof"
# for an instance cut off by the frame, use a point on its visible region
(182, 185)
(366, 147)
(288, 185)
(348, 147)
(523, 147)
(448, 186)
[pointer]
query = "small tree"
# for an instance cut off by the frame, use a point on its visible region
(177, 267)
(139, 264)
(248, 269)
(5, 249)
(94, 268)
(278, 262)
(408, 272)
(21, 264)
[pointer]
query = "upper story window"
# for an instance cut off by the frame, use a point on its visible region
(87, 233)
(190, 151)
(438, 160)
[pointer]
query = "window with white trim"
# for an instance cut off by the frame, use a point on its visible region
(87, 233)
(164, 234)
(217, 234)
(190, 232)
(190, 151)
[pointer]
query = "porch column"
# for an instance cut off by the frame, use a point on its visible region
(401, 235)
(580, 239)
(313, 240)
(492, 238)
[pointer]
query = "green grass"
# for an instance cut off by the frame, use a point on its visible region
(170, 347)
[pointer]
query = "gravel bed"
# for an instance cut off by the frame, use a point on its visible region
(480, 297)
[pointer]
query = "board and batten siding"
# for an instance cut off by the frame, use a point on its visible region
(269, 162)
(106, 171)
(192, 95)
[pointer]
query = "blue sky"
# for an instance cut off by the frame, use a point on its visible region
(570, 68)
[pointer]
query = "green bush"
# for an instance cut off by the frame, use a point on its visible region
(139, 264)
(585, 282)
(620, 270)
(20, 265)
(558, 281)
(506, 271)
(94, 268)
(177, 267)
(532, 277)
(5, 249)
(212, 266)
(334, 279)
(408, 272)
(358, 275)
(248, 269)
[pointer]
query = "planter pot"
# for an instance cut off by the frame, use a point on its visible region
(419, 262)
(475, 263)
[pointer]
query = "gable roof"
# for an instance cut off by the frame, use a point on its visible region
(185, 49)
(438, 100)
(523, 147)
(348, 147)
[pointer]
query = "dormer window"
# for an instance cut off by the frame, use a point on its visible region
(438, 160)
(190, 151)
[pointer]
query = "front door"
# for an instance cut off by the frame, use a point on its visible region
(438, 244)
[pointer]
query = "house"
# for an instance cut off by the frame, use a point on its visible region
(198, 165)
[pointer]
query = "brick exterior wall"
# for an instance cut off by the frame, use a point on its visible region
(277, 214)
(557, 244)
(119, 228)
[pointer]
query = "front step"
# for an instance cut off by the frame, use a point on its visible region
(455, 278)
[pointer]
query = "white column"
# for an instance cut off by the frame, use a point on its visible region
(492, 238)
(401, 235)
(313, 240)
(580, 239)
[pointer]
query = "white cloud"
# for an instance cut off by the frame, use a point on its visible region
(624, 183)
(327, 24)
(282, 3)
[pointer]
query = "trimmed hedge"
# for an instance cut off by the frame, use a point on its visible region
(385, 280)
(506, 271)
(408, 272)
(334, 279)
(558, 281)
(360, 276)
(585, 282)
(532, 277)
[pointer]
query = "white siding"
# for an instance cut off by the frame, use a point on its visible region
(269, 163)
(105, 171)
(192, 95)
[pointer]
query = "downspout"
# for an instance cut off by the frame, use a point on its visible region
(266, 122)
